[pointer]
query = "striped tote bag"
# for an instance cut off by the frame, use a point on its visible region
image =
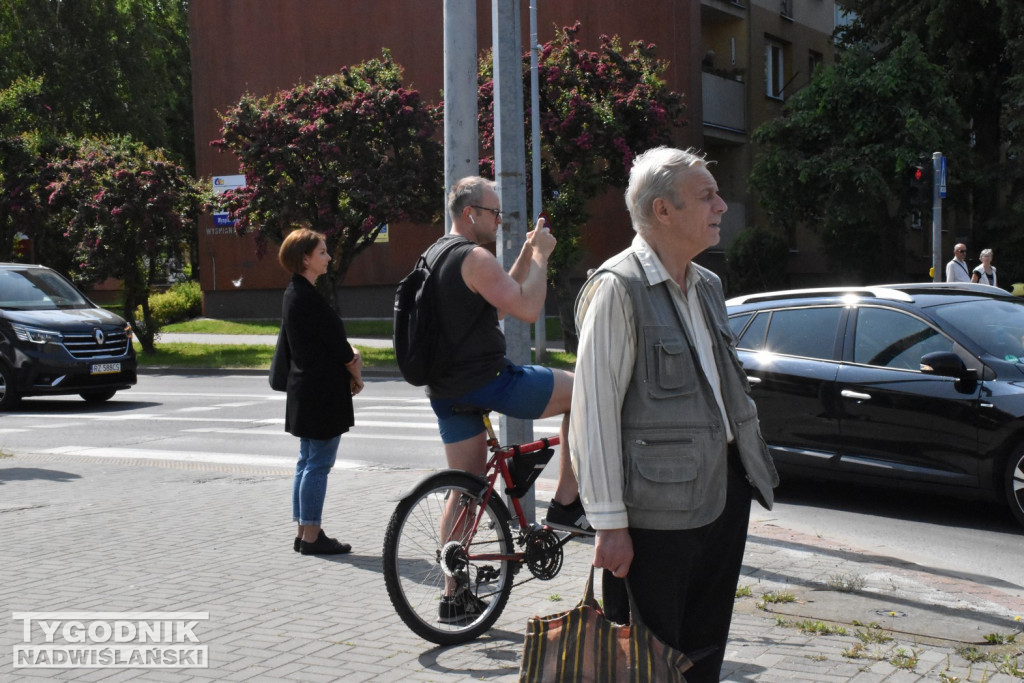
(583, 646)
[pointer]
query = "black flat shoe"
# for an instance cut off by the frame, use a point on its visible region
(324, 546)
(298, 540)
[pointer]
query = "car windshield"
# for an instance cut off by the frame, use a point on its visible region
(997, 326)
(35, 289)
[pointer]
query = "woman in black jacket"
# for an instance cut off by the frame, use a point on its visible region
(324, 374)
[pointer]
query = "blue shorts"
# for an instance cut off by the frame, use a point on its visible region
(521, 391)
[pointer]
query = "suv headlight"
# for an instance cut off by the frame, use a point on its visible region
(36, 335)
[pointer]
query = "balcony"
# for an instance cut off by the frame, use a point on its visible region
(724, 107)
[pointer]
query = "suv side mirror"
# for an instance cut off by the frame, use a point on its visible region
(948, 364)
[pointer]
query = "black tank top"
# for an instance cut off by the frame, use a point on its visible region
(470, 328)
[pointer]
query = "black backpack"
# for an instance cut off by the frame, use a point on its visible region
(415, 329)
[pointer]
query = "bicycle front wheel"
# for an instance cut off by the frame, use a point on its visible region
(448, 584)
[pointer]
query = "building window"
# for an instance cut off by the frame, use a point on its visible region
(775, 71)
(814, 60)
(786, 8)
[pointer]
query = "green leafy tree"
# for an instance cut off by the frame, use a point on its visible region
(599, 109)
(757, 262)
(347, 153)
(838, 159)
(21, 164)
(975, 49)
(128, 211)
(108, 66)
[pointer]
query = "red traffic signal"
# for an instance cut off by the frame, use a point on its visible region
(919, 193)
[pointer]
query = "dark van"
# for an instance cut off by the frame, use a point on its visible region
(54, 340)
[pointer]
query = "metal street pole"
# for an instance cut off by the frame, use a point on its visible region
(510, 173)
(938, 271)
(540, 331)
(461, 157)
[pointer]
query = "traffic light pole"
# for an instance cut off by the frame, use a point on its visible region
(937, 270)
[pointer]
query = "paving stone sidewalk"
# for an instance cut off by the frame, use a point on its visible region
(82, 535)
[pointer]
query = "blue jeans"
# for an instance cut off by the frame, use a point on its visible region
(316, 458)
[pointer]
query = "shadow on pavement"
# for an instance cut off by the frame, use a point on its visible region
(30, 473)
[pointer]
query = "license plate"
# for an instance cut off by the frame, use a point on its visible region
(105, 368)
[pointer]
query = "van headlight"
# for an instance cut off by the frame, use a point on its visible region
(36, 335)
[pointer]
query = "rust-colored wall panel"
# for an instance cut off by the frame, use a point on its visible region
(262, 46)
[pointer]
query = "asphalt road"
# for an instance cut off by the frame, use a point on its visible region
(238, 419)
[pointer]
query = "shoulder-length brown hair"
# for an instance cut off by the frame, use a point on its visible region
(299, 243)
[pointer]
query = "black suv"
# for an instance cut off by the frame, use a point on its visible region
(53, 340)
(897, 384)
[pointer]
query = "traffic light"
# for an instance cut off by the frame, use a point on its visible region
(920, 190)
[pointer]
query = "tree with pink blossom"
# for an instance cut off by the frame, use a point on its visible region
(126, 211)
(598, 110)
(347, 153)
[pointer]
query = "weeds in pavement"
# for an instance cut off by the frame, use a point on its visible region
(971, 654)
(871, 633)
(812, 626)
(860, 651)
(744, 592)
(855, 651)
(1000, 639)
(904, 660)
(1010, 665)
(773, 598)
(820, 628)
(555, 597)
(846, 583)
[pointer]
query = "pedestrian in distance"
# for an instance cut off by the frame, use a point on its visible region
(324, 374)
(956, 269)
(664, 435)
(985, 272)
(476, 293)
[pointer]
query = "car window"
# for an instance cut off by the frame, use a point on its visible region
(996, 325)
(806, 332)
(737, 322)
(753, 336)
(37, 290)
(894, 339)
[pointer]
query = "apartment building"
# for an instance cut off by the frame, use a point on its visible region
(735, 62)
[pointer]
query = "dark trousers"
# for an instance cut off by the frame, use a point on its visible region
(684, 582)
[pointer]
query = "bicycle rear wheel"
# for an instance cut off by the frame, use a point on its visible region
(421, 564)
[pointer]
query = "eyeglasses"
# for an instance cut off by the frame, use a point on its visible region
(961, 251)
(496, 212)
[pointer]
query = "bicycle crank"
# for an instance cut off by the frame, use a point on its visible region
(544, 553)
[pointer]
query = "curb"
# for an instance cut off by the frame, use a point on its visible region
(375, 373)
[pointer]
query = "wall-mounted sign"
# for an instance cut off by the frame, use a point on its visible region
(221, 184)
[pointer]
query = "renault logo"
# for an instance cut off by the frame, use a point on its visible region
(98, 336)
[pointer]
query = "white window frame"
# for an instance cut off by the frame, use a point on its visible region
(774, 68)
